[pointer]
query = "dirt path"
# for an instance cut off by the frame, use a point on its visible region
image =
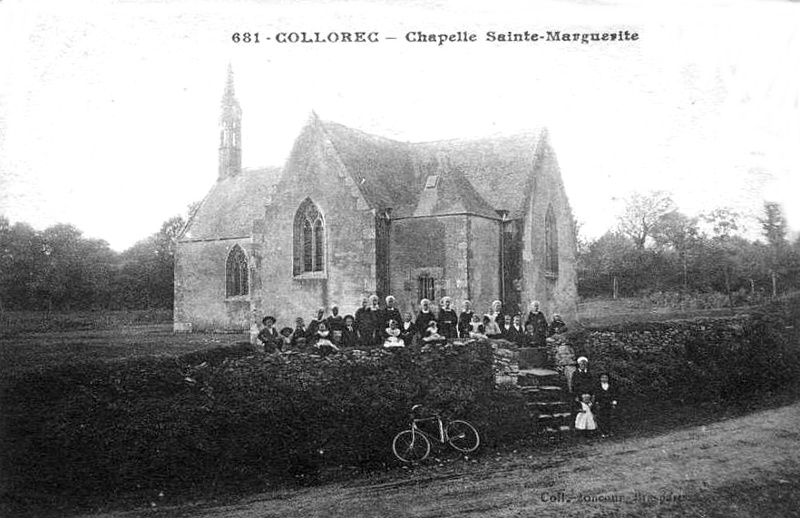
(748, 466)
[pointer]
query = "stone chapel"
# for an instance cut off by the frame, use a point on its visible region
(351, 214)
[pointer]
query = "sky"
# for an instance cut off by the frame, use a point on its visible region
(109, 110)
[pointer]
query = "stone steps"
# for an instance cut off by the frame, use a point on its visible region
(545, 391)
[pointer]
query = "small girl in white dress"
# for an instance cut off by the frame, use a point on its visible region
(584, 421)
(392, 334)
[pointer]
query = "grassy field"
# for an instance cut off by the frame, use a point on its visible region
(593, 312)
(30, 340)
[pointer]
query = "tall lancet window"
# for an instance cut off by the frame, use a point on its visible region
(309, 239)
(236, 275)
(550, 244)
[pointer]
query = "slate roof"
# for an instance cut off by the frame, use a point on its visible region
(499, 169)
(453, 194)
(228, 210)
(381, 167)
(484, 175)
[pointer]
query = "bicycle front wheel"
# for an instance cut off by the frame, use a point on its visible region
(463, 436)
(411, 446)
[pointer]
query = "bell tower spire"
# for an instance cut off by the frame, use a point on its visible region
(230, 132)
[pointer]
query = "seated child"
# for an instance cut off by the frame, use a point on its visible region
(491, 328)
(584, 420)
(558, 325)
(432, 334)
(323, 343)
(269, 336)
(392, 335)
(476, 329)
(286, 335)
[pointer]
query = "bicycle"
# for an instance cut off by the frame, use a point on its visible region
(414, 444)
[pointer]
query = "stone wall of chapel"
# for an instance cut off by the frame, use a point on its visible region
(433, 246)
(484, 263)
(314, 171)
(557, 295)
(200, 298)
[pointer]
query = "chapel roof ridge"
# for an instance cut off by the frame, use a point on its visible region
(536, 132)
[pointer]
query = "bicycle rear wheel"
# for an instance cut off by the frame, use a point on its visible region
(463, 436)
(409, 446)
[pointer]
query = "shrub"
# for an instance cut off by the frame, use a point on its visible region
(222, 416)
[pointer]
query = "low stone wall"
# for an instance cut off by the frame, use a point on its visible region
(706, 359)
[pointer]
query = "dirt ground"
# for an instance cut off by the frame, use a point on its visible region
(739, 467)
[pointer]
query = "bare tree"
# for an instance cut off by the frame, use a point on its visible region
(642, 213)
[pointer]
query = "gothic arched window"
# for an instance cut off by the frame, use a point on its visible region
(236, 274)
(309, 239)
(550, 244)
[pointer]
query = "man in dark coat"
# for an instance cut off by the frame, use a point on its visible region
(360, 317)
(373, 323)
(335, 321)
(299, 335)
(349, 333)
(407, 329)
(517, 330)
(539, 322)
(315, 322)
(605, 404)
(507, 329)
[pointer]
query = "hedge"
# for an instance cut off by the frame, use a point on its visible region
(705, 359)
(226, 416)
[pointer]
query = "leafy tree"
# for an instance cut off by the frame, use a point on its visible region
(146, 272)
(680, 233)
(724, 222)
(774, 226)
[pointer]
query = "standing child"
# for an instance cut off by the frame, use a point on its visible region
(606, 405)
(448, 319)
(584, 421)
(464, 319)
(565, 362)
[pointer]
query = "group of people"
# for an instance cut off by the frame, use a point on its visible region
(374, 325)
(596, 398)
